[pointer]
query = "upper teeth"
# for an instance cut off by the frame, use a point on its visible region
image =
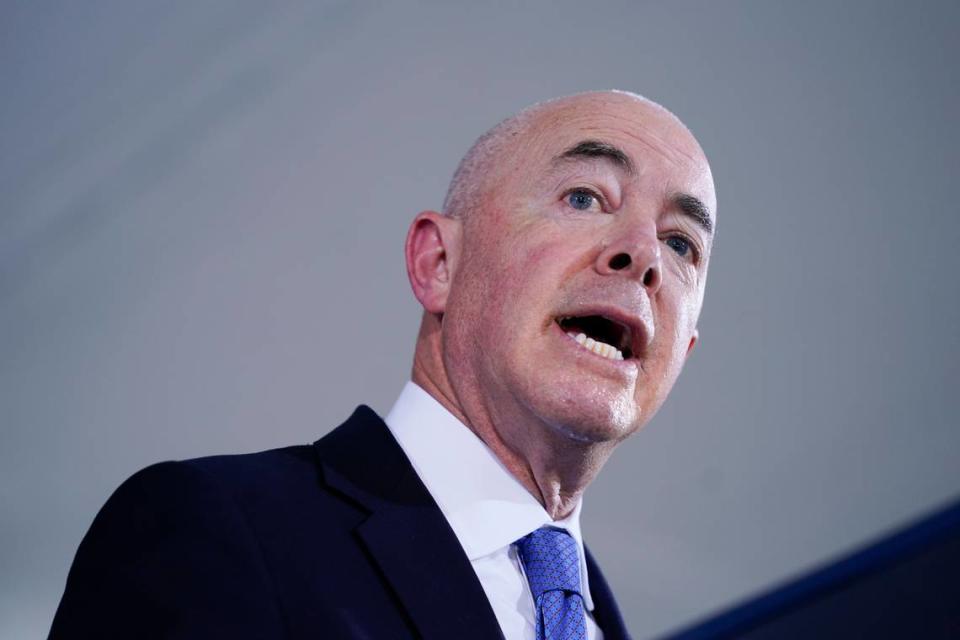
(599, 348)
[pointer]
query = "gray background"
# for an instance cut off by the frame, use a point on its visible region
(202, 209)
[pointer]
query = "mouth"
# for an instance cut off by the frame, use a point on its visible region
(603, 335)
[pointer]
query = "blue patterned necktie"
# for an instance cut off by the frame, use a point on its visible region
(552, 564)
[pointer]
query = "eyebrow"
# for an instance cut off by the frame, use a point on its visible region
(596, 149)
(689, 205)
(693, 207)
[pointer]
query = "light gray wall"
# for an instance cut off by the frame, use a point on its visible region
(202, 207)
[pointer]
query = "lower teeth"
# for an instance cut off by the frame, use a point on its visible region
(599, 348)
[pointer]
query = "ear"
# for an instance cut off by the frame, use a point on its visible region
(693, 341)
(432, 242)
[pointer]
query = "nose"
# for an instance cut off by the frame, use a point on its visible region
(637, 256)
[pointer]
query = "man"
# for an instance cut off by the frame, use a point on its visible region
(561, 288)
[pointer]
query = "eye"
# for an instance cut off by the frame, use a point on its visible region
(582, 200)
(681, 246)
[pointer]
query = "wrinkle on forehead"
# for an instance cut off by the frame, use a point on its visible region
(667, 148)
(655, 129)
(667, 144)
(544, 129)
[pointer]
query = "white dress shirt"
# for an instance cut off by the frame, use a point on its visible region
(487, 508)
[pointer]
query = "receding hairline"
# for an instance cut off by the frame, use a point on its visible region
(470, 177)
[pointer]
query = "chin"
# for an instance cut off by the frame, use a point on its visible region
(589, 416)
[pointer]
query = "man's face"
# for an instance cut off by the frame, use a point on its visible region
(588, 226)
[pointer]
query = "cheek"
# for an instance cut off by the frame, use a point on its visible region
(519, 265)
(514, 278)
(682, 272)
(554, 257)
(679, 309)
(491, 298)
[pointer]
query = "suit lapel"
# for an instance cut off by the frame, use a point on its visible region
(406, 534)
(605, 609)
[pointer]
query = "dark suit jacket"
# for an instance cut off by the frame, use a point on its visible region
(335, 540)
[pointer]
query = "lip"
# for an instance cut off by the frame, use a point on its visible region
(639, 324)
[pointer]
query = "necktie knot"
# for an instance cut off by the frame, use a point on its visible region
(551, 561)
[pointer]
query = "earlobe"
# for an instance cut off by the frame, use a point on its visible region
(428, 251)
(693, 341)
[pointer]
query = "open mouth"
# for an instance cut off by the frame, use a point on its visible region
(599, 334)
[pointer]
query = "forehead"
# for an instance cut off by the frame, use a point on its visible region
(660, 147)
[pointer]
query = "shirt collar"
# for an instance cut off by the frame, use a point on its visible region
(486, 506)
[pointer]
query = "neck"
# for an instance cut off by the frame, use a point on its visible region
(554, 467)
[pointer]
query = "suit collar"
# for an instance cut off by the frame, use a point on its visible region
(605, 612)
(405, 533)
